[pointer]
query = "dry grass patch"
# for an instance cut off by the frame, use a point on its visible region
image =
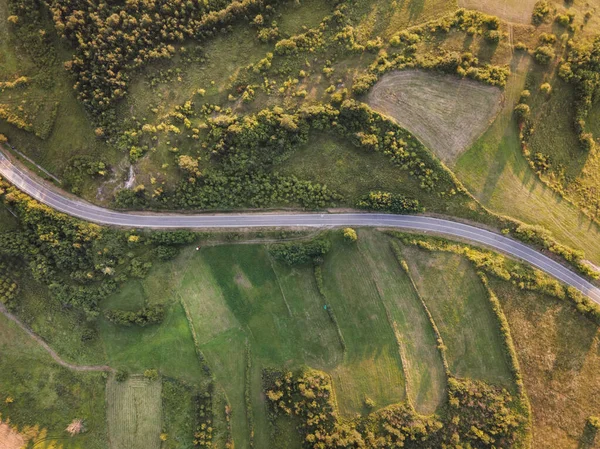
(509, 10)
(446, 112)
(559, 354)
(10, 438)
(134, 413)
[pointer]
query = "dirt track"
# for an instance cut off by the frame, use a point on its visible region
(445, 112)
(48, 349)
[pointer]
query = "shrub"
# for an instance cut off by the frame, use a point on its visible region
(151, 374)
(300, 253)
(562, 19)
(493, 36)
(541, 11)
(546, 88)
(121, 375)
(522, 111)
(544, 54)
(525, 94)
(349, 235)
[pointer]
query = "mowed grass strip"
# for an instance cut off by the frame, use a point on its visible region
(426, 379)
(459, 305)
(134, 413)
(225, 355)
(559, 355)
(446, 112)
(372, 366)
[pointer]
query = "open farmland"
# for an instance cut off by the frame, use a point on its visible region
(459, 305)
(447, 113)
(423, 367)
(134, 413)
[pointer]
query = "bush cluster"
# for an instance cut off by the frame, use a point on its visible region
(113, 39)
(81, 263)
(582, 69)
(301, 253)
(146, 316)
(390, 202)
(203, 433)
(477, 415)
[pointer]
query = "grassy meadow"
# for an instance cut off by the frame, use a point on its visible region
(497, 173)
(42, 398)
(458, 302)
(559, 353)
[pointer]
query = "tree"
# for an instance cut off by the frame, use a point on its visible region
(350, 235)
(522, 111)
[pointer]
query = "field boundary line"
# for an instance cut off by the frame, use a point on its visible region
(440, 342)
(394, 327)
(318, 275)
(280, 287)
(48, 349)
(511, 352)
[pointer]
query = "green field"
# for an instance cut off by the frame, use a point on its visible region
(457, 300)
(421, 358)
(168, 347)
(47, 395)
(134, 417)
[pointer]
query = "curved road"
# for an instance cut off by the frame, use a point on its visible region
(47, 194)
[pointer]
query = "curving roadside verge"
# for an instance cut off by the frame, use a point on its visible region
(68, 204)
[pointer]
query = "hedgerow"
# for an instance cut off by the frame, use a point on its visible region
(146, 316)
(301, 252)
(582, 69)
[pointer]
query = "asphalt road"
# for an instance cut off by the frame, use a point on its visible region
(63, 202)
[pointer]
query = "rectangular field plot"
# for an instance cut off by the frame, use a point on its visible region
(459, 305)
(426, 379)
(372, 365)
(134, 413)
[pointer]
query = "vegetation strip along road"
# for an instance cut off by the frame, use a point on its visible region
(68, 204)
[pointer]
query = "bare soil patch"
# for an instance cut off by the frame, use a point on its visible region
(509, 10)
(9, 438)
(446, 112)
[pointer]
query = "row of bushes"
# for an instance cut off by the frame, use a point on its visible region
(540, 236)
(390, 202)
(298, 253)
(582, 69)
(146, 316)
